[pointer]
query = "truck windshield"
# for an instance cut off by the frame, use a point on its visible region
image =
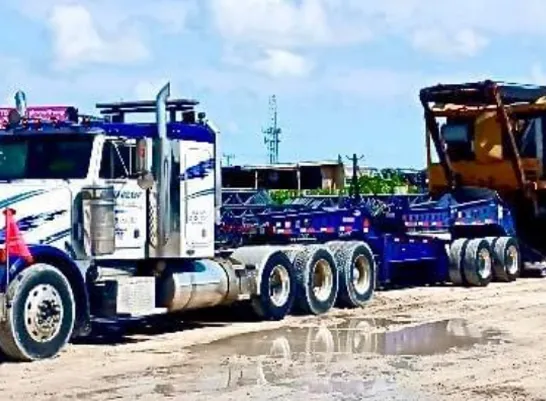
(38, 156)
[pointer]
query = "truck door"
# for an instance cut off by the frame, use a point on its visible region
(117, 168)
(197, 195)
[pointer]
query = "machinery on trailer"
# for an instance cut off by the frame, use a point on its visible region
(124, 220)
(491, 135)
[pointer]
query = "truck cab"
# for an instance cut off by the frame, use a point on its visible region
(46, 168)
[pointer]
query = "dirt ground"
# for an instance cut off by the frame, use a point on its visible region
(437, 343)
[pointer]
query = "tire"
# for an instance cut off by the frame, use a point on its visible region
(275, 306)
(477, 263)
(355, 292)
(361, 337)
(40, 288)
(456, 256)
(335, 246)
(315, 262)
(506, 259)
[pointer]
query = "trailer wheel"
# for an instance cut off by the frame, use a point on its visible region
(317, 280)
(277, 288)
(41, 316)
(477, 263)
(456, 256)
(357, 275)
(506, 259)
(335, 246)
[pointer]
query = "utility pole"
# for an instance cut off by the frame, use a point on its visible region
(272, 133)
(228, 157)
(354, 189)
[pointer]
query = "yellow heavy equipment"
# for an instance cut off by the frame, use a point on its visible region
(490, 135)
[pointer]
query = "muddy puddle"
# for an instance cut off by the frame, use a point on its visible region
(318, 359)
(355, 336)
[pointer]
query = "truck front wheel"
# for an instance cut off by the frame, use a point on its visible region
(40, 316)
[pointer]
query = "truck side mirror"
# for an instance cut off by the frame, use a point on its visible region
(145, 177)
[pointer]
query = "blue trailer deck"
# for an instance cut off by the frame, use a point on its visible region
(410, 236)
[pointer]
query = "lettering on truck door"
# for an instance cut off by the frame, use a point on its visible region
(198, 197)
(117, 164)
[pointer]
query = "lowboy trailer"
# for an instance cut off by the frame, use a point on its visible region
(123, 221)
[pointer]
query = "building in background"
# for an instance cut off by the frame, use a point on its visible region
(328, 175)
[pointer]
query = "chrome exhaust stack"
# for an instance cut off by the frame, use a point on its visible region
(162, 166)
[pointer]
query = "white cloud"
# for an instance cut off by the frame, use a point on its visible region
(278, 63)
(282, 23)
(272, 62)
(460, 29)
(104, 31)
(76, 40)
(167, 15)
(465, 42)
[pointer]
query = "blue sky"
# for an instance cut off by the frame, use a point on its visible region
(346, 72)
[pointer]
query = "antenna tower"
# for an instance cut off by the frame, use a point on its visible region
(272, 133)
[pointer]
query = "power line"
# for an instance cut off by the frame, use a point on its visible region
(354, 190)
(228, 157)
(272, 133)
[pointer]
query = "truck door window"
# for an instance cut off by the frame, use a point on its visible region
(118, 160)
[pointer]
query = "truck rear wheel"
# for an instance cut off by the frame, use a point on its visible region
(317, 280)
(478, 263)
(506, 259)
(277, 288)
(357, 274)
(456, 256)
(41, 316)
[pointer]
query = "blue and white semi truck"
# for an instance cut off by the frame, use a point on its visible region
(122, 220)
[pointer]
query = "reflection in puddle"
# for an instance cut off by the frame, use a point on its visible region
(305, 358)
(354, 336)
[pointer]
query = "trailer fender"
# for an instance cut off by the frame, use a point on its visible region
(65, 264)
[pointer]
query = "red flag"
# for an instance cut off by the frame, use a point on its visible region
(14, 243)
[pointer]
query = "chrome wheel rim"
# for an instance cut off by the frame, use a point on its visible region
(512, 262)
(361, 274)
(279, 285)
(323, 280)
(43, 313)
(484, 263)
